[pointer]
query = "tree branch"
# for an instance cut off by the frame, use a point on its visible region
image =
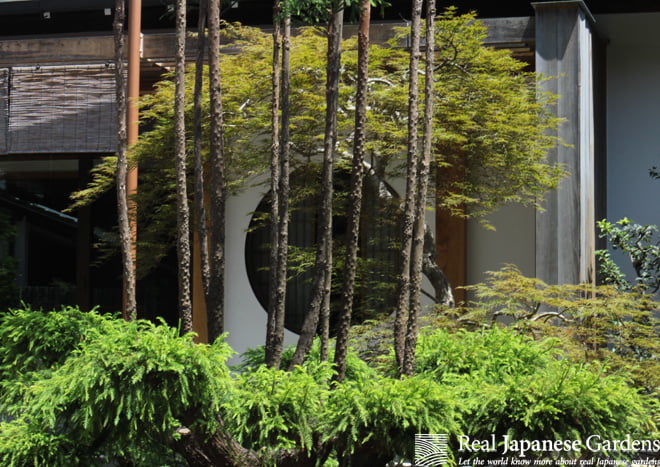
(551, 314)
(218, 450)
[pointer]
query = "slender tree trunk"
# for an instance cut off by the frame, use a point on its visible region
(279, 187)
(123, 214)
(278, 235)
(216, 295)
(182, 209)
(284, 183)
(355, 195)
(408, 218)
(200, 202)
(319, 309)
(273, 346)
(417, 254)
(324, 318)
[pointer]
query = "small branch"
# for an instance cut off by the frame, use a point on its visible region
(381, 81)
(552, 314)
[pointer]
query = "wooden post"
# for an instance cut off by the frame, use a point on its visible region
(565, 231)
(84, 242)
(200, 326)
(132, 114)
(451, 240)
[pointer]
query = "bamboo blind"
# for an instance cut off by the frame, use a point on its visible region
(57, 109)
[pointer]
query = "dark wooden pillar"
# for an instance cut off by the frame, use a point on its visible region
(84, 242)
(600, 129)
(451, 238)
(451, 252)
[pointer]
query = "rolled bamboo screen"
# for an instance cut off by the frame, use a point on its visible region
(57, 109)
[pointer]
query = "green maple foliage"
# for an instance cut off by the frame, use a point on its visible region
(489, 129)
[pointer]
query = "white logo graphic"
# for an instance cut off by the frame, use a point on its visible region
(431, 450)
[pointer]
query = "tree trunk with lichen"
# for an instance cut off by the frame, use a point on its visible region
(198, 132)
(355, 195)
(412, 180)
(182, 208)
(279, 189)
(215, 296)
(423, 172)
(318, 310)
(123, 214)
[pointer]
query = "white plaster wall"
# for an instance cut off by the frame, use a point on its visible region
(512, 242)
(633, 117)
(245, 319)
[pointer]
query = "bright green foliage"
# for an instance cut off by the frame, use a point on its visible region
(506, 383)
(27, 444)
(120, 394)
(490, 123)
(301, 409)
(494, 354)
(385, 413)
(35, 340)
(279, 409)
(510, 384)
(592, 323)
(560, 401)
(34, 343)
(103, 178)
(642, 245)
(109, 390)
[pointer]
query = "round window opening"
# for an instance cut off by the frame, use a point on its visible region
(377, 255)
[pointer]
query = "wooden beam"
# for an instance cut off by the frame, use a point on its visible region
(159, 46)
(510, 32)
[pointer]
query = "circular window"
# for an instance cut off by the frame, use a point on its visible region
(378, 253)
